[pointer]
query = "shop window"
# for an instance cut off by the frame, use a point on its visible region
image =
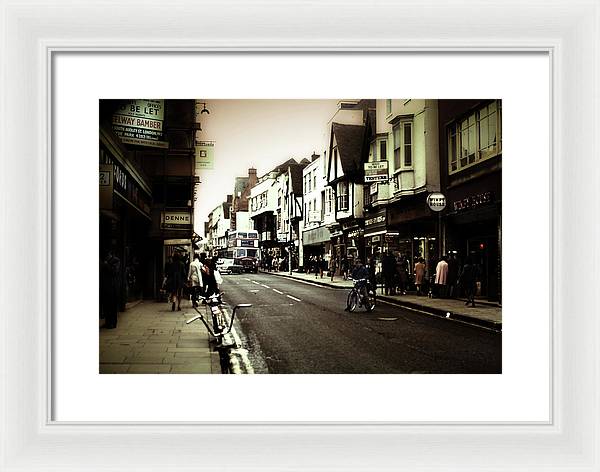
(475, 138)
(342, 196)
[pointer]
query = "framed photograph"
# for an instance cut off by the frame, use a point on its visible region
(273, 161)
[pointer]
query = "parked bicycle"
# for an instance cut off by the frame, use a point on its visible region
(361, 295)
(220, 326)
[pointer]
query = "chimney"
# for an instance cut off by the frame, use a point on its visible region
(252, 177)
(314, 157)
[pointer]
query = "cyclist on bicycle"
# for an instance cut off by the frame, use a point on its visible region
(360, 274)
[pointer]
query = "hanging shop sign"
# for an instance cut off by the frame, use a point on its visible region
(473, 201)
(436, 201)
(176, 220)
(205, 155)
(106, 186)
(355, 233)
(140, 122)
(376, 171)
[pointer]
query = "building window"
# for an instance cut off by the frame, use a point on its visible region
(407, 135)
(383, 150)
(342, 196)
(474, 138)
(322, 205)
(367, 195)
(388, 106)
(373, 152)
(402, 134)
(315, 179)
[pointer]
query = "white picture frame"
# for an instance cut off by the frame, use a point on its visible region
(34, 31)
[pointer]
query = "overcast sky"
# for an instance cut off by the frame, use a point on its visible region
(260, 134)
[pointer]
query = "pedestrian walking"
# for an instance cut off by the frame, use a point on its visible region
(332, 267)
(453, 270)
(195, 279)
(212, 278)
(388, 269)
(322, 265)
(468, 279)
(345, 266)
(402, 269)
(175, 279)
(441, 277)
(419, 274)
(110, 269)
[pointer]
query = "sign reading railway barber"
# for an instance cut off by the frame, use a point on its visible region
(436, 201)
(140, 122)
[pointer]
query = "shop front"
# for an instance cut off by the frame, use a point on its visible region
(124, 223)
(316, 242)
(413, 231)
(473, 229)
(354, 235)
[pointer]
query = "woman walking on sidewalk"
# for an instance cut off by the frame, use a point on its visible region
(419, 274)
(175, 279)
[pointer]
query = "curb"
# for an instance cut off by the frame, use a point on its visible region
(492, 325)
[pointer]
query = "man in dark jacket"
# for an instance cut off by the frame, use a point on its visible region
(388, 268)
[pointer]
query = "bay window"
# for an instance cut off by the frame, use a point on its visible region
(342, 196)
(402, 134)
(475, 137)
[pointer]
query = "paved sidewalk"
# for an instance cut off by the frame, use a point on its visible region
(485, 313)
(152, 339)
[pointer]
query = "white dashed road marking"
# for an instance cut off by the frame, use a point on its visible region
(265, 286)
(294, 298)
(254, 282)
(275, 290)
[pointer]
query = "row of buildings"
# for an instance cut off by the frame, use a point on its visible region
(147, 188)
(365, 191)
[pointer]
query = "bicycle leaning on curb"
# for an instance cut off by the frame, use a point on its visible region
(220, 326)
(362, 294)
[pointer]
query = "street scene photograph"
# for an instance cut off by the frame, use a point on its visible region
(299, 236)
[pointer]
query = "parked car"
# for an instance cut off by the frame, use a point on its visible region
(248, 264)
(229, 266)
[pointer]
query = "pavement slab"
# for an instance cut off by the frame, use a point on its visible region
(150, 339)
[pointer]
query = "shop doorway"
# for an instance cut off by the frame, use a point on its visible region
(484, 252)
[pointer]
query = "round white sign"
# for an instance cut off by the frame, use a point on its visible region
(436, 201)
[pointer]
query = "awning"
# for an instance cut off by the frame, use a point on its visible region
(316, 236)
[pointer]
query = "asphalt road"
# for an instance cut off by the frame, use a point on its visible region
(294, 327)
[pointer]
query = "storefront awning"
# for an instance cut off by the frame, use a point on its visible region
(316, 236)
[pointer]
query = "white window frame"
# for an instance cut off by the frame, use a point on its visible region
(480, 155)
(340, 196)
(400, 162)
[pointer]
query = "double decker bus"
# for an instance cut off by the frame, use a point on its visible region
(242, 249)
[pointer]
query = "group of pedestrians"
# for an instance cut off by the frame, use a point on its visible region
(201, 277)
(449, 279)
(394, 271)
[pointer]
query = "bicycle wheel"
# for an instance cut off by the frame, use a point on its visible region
(370, 300)
(352, 300)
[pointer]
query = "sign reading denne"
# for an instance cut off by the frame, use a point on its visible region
(140, 122)
(176, 220)
(376, 171)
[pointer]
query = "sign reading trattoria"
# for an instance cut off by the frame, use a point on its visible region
(140, 122)
(436, 201)
(376, 171)
(176, 220)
